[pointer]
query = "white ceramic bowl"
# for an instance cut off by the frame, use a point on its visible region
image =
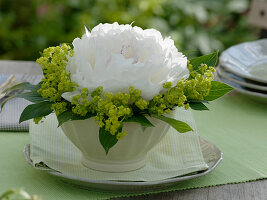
(128, 154)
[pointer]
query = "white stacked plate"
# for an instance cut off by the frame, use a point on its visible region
(244, 67)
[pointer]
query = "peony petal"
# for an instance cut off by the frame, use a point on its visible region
(118, 56)
(68, 95)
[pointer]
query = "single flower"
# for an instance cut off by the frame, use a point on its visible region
(119, 56)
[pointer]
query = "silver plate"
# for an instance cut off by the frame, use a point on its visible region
(241, 81)
(212, 156)
(248, 60)
(251, 93)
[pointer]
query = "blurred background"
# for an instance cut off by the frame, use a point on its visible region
(29, 26)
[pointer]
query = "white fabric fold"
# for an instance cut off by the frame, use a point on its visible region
(176, 155)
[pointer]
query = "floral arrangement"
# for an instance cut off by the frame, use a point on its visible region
(118, 74)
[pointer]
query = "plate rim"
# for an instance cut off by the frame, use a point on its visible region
(127, 183)
(241, 90)
(248, 76)
(220, 70)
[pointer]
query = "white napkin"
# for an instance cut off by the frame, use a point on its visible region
(177, 154)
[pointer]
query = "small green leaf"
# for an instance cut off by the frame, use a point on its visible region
(33, 96)
(180, 126)
(218, 89)
(23, 86)
(198, 106)
(5, 101)
(106, 139)
(209, 60)
(70, 116)
(36, 110)
(141, 119)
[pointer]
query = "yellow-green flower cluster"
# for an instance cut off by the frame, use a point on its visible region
(174, 96)
(37, 120)
(59, 107)
(199, 83)
(56, 80)
(110, 109)
(136, 98)
(196, 87)
(81, 103)
(121, 135)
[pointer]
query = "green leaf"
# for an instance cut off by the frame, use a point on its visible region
(70, 116)
(106, 139)
(198, 106)
(209, 60)
(141, 119)
(33, 96)
(36, 110)
(180, 126)
(5, 101)
(23, 86)
(218, 89)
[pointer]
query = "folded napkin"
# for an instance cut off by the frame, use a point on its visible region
(9, 117)
(177, 154)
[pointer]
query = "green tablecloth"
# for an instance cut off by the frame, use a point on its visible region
(237, 125)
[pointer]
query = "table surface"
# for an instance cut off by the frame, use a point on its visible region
(251, 190)
(254, 190)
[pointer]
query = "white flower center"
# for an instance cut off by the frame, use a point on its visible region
(127, 51)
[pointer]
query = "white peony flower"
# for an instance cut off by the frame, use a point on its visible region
(119, 56)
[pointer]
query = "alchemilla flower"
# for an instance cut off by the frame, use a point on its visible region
(119, 74)
(119, 56)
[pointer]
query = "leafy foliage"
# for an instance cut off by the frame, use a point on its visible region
(33, 97)
(36, 110)
(106, 139)
(22, 86)
(69, 116)
(198, 106)
(209, 60)
(28, 26)
(180, 126)
(217, 90)
(141, 119)
(112, 110)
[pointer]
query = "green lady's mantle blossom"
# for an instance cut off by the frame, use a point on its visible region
(56, 80)
(112, 110)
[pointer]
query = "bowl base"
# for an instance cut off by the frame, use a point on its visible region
(113, 166)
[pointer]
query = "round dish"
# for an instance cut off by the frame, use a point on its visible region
(212, 156)
(254, 94)
(248, 60)
(239, 80)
